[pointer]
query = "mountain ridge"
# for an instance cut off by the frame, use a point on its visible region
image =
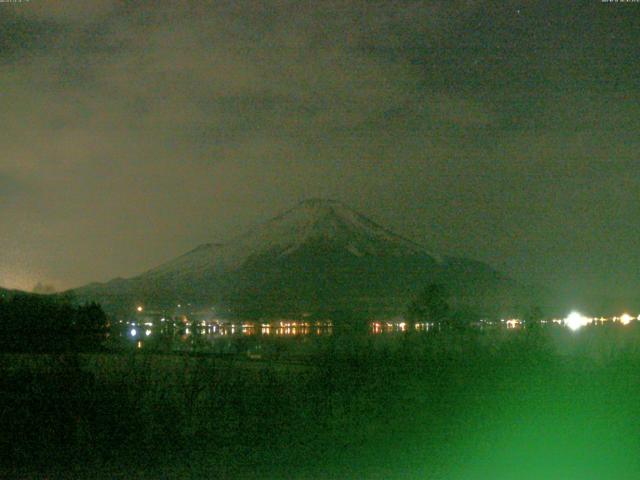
(319, 255)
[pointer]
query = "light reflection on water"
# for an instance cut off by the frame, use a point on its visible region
(186, 332)
(162, 330)
(395, 327)
(280, 329)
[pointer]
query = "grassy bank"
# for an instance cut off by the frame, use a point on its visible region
(498, 405)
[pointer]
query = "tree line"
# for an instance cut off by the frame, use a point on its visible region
(44, 323)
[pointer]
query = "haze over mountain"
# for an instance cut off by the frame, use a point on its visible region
(318, 257)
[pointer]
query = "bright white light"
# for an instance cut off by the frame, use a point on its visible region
(575, 321)
(147, 332)
(625, 319)
(139, 308)
(133, 332)
(513, 323)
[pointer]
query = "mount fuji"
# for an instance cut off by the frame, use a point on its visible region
(318, 257)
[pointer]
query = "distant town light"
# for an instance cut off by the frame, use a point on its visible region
(625, 319)
(575, 321)
(513, 323)
(133, 332)
(139, 308)
(147, 332)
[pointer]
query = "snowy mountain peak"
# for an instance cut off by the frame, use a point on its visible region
(316, 208)
(319, 202)
(311, 223)
(318, 255)
(329, 222)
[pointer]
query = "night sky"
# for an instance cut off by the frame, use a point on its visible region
(503, 131)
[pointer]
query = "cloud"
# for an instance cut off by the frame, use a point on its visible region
(135, 130)
(68, 10)
(11, 190)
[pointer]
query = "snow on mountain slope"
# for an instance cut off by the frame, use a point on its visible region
(206, 257)
(316, 256)
(311, 222)
(323, 221)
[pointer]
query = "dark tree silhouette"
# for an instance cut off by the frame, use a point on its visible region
(533, 318)
(89, 326)
(431, 305)
(42, 323)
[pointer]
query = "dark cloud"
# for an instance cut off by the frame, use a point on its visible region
(503, 131)
(10, 189)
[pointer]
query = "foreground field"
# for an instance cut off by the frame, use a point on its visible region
(495, 406)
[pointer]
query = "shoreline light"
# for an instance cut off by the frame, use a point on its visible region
(625, 319)
(576, 321)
